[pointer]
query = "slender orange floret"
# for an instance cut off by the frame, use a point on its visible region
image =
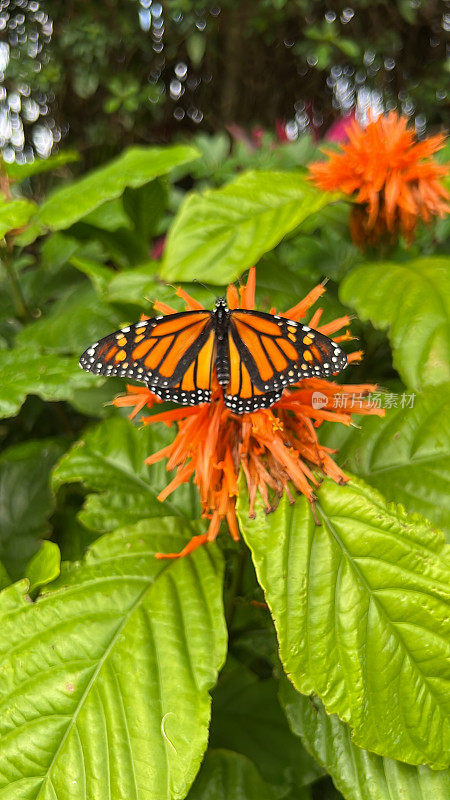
(276, 448)
(394, 180)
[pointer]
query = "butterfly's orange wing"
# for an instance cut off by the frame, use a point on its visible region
(173, 355)
(268, 353)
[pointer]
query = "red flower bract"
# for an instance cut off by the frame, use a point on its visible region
(394, 180)
(274, 447)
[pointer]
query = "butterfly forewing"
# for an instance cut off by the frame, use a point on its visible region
(164, 353)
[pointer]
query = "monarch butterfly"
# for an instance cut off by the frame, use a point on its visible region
(256, 355)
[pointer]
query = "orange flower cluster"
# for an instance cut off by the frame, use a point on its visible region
(394, 180)
(273, 447)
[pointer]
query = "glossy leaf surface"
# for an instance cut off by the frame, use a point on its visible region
(360, 603)
(221, 232)
(405, 455)
(411, 300)
(133, 168)
(105, 680)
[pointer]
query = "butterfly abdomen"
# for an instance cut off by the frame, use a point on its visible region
(221, 316)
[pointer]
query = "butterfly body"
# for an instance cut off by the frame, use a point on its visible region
(255, 356)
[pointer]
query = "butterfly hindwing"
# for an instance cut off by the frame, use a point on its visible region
(269, 352)
(162, 352)
(241, 395)
(195, 385)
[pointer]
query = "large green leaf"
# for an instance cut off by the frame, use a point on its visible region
(358, 774)
(361, 607)
(104, 689)
(14, 214)
(411, 299)
(405, 455)
(221, 232)
(25, 371)
(109, 463)
(134, 167)
(26, 501)
(230, 776)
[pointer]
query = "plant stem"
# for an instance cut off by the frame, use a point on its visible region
(19, 301)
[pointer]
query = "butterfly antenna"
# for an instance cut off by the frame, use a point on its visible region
(205, 287)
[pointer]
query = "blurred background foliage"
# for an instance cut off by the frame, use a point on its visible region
(99, 76)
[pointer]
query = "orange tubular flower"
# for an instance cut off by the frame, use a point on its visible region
(393, 179)
(274, 447)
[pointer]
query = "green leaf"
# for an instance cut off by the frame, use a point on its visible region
(105, 680)
(44, 567)
(230, 776)
(122, 246)
(109, 463)
(411, 300)
(358, 774)
(96, 400)
(110, 216)
(19, 172)
(195, 46)
(360, 604)
(136, 286)
(56, 250)
(221, 232)
(141, 286)
(145, 207)
(99, 275)
(348, 47)
(405, 455)
(26, 500)
(14, 214)
(25, 372)
(76, 320)
(136, 166)
(247, 719)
